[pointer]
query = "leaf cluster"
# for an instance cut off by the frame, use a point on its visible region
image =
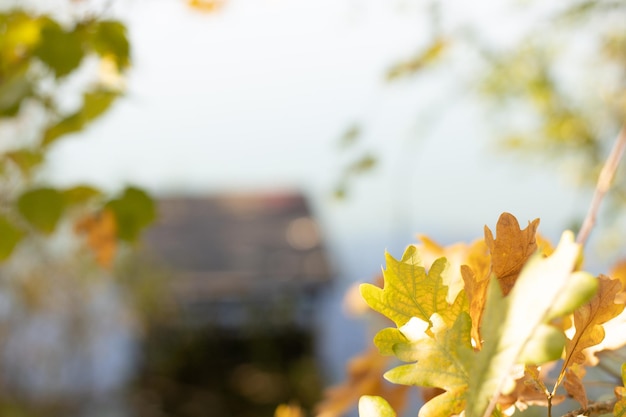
(481, 324)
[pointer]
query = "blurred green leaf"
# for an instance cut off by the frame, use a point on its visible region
(10, 236)
(70, 124)
(80, 194)
(25, 159)
(134, 210)
(109, 39)
(61, 50)
(42, 208)
(94, 105)
(12, 92)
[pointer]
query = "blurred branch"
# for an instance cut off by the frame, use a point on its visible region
(603, 185)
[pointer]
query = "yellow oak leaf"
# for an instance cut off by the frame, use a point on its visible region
(456, 255)
(410, 291)
(511, 249)
(588, 320)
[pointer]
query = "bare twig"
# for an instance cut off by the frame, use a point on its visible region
(594, 409)
(603, 185)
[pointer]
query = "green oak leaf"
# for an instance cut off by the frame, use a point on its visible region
(410, 291)
(441, 361)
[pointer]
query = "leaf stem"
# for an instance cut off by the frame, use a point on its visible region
(602, 186)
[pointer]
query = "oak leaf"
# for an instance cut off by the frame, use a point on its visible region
(456, 254)
(588, 320)
(409, 291)
(511, 249)
(440, 361)
(517, 328)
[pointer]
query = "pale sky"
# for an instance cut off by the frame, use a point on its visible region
(255, 97)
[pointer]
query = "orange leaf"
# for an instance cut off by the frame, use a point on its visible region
(511, 249)
(476, 278)
(101, 232)
(588, 320)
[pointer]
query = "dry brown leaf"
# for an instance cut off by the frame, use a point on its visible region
(364, 378)
(588, 320)
(476, 279)
(574, 385)
(511, 249)
(476, 291)
(101, 232)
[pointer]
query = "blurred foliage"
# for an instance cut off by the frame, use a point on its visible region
(557, 92)
(59, 246)
(40, 58)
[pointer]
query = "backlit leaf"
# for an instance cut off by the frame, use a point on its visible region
(442, 361)
(511, 324)
(409, 291)
(42, 208)
(374, 406)
(588, 320)
(511, 249)
(10, 236)
(133, 211)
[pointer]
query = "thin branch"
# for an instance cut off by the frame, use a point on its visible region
(594, 409)
(603, 185)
